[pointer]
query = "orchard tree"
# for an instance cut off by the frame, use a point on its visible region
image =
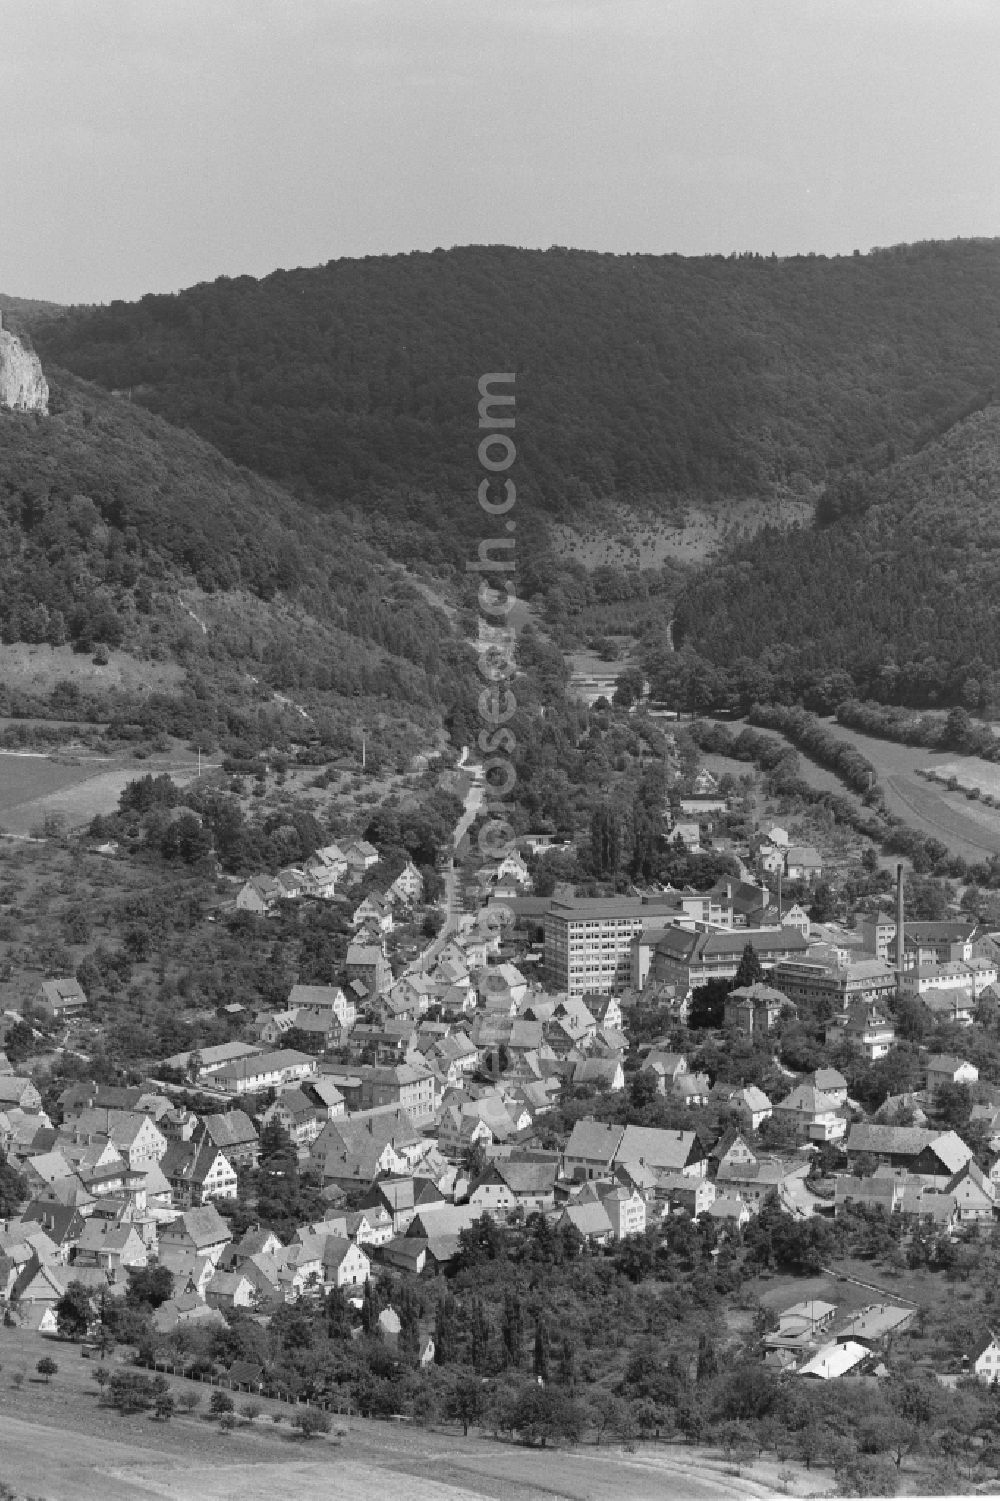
(75, 1311)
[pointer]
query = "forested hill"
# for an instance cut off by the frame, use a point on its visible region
(638, 376)
(122, 534)
(901, 589)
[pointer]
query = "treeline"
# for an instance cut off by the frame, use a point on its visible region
(957, 731)
(641, 377)
(820, 745)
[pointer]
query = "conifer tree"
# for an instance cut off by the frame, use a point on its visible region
(513, 1328)
(541, 1357)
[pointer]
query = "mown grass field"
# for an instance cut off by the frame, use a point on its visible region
(32, 787)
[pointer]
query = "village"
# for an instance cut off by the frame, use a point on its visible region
(510, 1075)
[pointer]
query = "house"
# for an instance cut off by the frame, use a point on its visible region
(933, 1156)
(264, 1071)
(61, 999)
(753, 1181)
(956, 1006)
(344, 1263)
(864, 1025)
(367, 964)
(814, 1115)
(110, 1246)
(690, 1089)
(626, 1209)
(352, 1152)
(326, 1099)
(680, 1191)
(603, 1073)
(230, 1290)
(202, 1062)
(408, 886)
(834, 1360)
(375, 911)
(831, 1082)
(135, 1136)
(729, 1210)
(803, 863)
(401, 1198)
(360, 856)
(591, 1220)
(943, 1068)
(873, 1326)
(799, 1325)
(409, 1086)
(259, 895)
(663, 1151)
(749, 1104)
(325, 867)
(407, 1253)
(16, 1090)
(665, 1067)
(323, 1001)
(754, 1009)
(197, 1172)
(202, 1231)
(592, 1149)
(235, 1134)
(501, 987)
(984, 1359)
(507, 1185)
(296, 1113)
(975, 1194)
(605, 1009)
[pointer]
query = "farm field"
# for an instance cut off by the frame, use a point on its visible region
(56, 1442)
(34, 786)
(967, 828)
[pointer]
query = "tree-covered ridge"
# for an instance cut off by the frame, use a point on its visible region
(902, 596)
(640, 376)
(118, 530)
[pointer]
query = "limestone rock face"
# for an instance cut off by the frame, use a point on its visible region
(23, 387)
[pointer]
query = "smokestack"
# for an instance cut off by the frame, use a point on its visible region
(899, 926)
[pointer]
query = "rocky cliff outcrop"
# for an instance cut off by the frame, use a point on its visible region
(23, 387)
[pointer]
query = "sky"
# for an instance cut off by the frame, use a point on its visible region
(150, 144)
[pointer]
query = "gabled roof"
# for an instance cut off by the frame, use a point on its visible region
(947, 1146)
(595, 1141)
(657, 1148)
(232, 1128)
(806, 1098)
(589, 1218)
(203, 1227)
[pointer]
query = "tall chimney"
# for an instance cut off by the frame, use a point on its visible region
(899, 926)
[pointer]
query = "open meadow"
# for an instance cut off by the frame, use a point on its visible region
(56, 1441)
(967, 827)
(72, 788)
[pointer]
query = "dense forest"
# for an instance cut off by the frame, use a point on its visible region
(119, 531)
(653, 379)
(895, 601)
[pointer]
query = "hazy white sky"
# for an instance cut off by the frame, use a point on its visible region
(149, 144)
